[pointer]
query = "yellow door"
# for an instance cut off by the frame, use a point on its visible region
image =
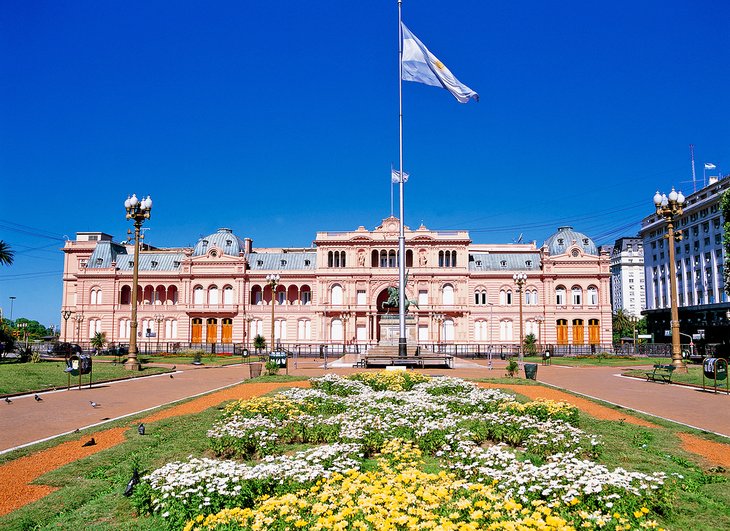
(212, 331)
(578, 337)
(196, 335)
(562, 331)
(227, 331)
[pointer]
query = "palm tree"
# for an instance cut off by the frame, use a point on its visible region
(6, 253)
(98, 341)
(529, 343)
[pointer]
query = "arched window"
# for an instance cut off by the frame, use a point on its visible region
(560, 295)
(280, 330)
(280, 295)
(198, 295)
(256, 295)
(94, 327)
(228, 295)
(480, 330)
(577, 295)
(480, 297)
(391, 259)
(448, 330)
(171, 329)
(304, 330)
(172, 294)
(255, 328)
(95, 295)
(505, 330)
(531, 328)
(374, 258)
(441, 259)
(383, 258)
(330, 259)
(592, 296)
(305, 295)
(336, 330)
(336, 295)
(409, 258)
(123, 328)
(213, 295)
(447, 295)
(160, 295)
(149, 294)
(125, 296)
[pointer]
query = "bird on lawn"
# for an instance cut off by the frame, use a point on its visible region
(93, 404)
(140, 429)
(38, 398)
(174, 367)
(132, 483)
(7, 400)
(90, 442)
(77, 430)
(171, 376)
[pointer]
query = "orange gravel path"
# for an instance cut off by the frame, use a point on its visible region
(713, 452)
(16, 490)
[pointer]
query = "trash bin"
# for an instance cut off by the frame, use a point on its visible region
(502, 356)
(278, 356)
(531, 371)
(254, 370)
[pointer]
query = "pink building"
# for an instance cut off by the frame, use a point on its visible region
(217, 293)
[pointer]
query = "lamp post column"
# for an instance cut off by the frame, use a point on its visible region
(520, 279)
(65, 314)
(158, 319)
(670, 208)
(345, 317)
(273, 280)
(138, 211)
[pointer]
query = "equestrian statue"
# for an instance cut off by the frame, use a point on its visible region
(393, 298)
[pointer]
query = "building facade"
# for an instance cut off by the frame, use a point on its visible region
(627, 276)
(699, 259)
(333, 291)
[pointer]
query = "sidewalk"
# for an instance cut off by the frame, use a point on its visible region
(26, 421)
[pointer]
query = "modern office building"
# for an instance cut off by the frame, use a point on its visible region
(217, 291)
(699, 259)
(627, 276)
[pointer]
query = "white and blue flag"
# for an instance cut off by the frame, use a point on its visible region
(422, 66)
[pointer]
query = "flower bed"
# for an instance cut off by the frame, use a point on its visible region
(489, 461)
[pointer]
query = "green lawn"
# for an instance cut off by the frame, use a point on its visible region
(600, 362)
(18, 377)
(90, 490)
(183, 360)
(692, 376)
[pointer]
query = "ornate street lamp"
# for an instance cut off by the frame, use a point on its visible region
(138, 211)
(439, 318)
(79, 318)
(670, 208)
(247, 331)
(158, 319)
(65, 314)
(520, 279)
(24, 329)
(273, 280)
(345, 316)
(539, 320)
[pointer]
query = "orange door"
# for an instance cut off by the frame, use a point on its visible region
(212, 331)
(594, 332)
(196, 335)
(562, 331)
(227, 331)
(578, 337)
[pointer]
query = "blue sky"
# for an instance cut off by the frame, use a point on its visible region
(279, 119)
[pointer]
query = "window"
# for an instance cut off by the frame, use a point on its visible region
(422, 297)
(361, 297)
(480, 330)
(447, 295)
(505, 297)
(560, 296)
(124, 329)
(593, 295)
(503, 264)
(94, 327)
(198, 295)
(228, 295)
(281, 297)
(280, 330)
(95, 295)
(336, 295)
(171, 329)
(505, 330)
(305, 296)
(213, 295)
(304, 329)
(577, 296)
(336, 332)
(480, 297)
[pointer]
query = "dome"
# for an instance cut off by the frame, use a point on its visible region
(565, 238)
(223, 239)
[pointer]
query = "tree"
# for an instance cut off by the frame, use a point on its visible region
(6, 254)
(259, 343)
(98, 341)
(529, 343)
(623, 325)
(34, 329)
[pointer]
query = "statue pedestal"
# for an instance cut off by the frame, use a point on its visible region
(390, 329)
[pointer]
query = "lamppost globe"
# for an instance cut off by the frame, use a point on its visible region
(672, 195)
(657, 198)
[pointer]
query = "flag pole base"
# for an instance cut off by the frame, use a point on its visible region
(402, 347)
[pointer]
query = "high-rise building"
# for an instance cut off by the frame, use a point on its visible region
(699, 259)
(627, 276)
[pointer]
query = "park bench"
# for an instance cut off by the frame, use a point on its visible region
(661, 373)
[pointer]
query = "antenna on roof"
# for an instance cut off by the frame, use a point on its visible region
(518, 239)
(692, 157)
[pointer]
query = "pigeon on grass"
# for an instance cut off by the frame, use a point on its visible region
(90, 442)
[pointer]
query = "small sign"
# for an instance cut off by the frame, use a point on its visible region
(667, 333)
(696, 336)
(645, 336)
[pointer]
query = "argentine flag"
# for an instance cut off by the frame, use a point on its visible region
(422, 66)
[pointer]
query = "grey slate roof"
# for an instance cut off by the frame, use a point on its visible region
(511, 261)
(223, 239)
(273, 261)
(559, 242)
(107, 252)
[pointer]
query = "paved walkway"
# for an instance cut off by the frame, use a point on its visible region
(26, 421)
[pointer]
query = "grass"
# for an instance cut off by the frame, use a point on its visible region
(16, 377)
(90, 490)
(600, 362)
(187, 360)
(693, 376)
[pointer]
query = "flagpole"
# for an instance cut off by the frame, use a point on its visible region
(391, 190)
(402, 340)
